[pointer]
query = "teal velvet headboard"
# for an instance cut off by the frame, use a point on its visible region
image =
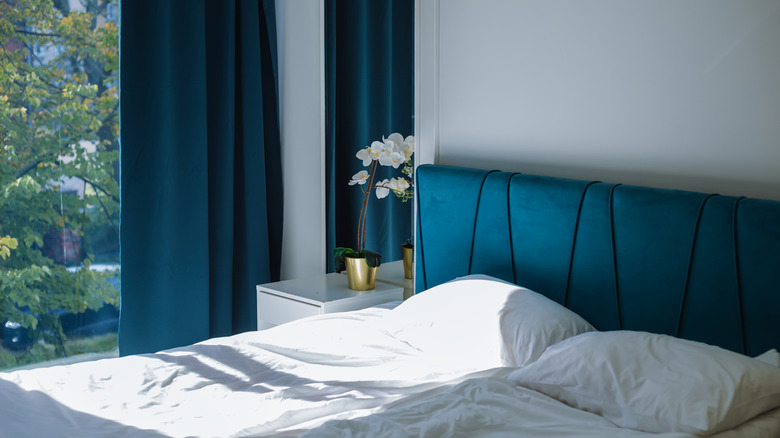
(697, 266)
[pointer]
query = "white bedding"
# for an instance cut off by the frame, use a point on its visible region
(444, 363)
(252, 384)
(495, 407)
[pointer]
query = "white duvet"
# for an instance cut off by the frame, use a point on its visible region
(290, 377)
(450, 362)
(496, 407)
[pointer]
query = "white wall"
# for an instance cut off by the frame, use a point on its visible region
(664, 93)
(299, 27)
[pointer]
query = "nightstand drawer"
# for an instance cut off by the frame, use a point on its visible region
(278, 310)
(284, 301)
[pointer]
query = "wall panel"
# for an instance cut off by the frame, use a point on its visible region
(659, 93)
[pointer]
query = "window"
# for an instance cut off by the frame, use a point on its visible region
(59, 179)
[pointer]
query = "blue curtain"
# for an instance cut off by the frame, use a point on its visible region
(200, 168)
(369, 61)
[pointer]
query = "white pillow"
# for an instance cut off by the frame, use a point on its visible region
(772, 357)
(654, 383)
(484, 320)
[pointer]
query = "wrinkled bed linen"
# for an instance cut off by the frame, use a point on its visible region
(293, 376)
(339, 375)
(497, 408)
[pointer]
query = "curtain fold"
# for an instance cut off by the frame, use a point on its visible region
(369, 73)
(200, 169)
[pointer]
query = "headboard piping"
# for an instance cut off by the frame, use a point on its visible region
(737, 276)
(574, 242)
(614, 253)
(476, 215)
(684, 296)
(420, 251)
(509, 221)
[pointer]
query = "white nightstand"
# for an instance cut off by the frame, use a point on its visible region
(285, 301)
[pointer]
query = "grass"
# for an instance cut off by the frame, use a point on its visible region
(94, 344)
(43, 354)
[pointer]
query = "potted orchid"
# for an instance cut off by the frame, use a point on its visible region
(394, 151)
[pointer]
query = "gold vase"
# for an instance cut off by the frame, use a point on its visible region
(408, 253)
(359, 275)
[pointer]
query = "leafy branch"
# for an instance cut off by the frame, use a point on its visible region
(41, 34)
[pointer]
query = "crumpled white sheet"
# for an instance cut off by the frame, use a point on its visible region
(289, 378)
(495, 407)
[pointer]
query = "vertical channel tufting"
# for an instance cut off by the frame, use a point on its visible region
(735, 240)
(476, 215)
(614, 253)
(721, 291)
(573, 242)
(681, 312)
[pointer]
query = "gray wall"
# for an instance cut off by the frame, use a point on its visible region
(665, 93)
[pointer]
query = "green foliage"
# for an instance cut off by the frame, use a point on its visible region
(37, 353)
(42, 352)
(94, 344)
(408, 171)
(372, 259)
(59, 124)
(6, 245)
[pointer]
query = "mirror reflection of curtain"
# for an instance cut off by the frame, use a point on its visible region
(200, 168)
(369, 76)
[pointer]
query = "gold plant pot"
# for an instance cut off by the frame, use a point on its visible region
(359, 275)
(408, 253)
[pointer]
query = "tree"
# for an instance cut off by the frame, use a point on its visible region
(59, 106)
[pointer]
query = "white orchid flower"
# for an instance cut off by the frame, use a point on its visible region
(395, 138)
(394, 159)
(359, 178)
(407, 150)
(365, 155)
(381, 189)
(400, 184)
(391, 147)
(377, 150)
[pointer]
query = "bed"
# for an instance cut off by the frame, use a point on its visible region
(544, 307)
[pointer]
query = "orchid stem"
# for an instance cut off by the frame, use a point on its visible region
(364, 208)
